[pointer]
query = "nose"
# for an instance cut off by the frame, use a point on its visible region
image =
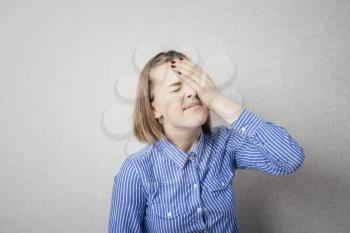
(189, 91)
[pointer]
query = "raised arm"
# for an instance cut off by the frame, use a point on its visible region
(128, 201)
(255, 143)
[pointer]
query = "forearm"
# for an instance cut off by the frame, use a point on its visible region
(263, 145)
(226, 108)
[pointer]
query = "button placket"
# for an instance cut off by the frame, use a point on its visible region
(191, 157)
(196, 187)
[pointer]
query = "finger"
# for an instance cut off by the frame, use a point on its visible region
(186, 71)
(192, 70)
(198, 71)
(203, 78)
(190, 82)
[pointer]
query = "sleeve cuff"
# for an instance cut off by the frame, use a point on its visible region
(246, 123)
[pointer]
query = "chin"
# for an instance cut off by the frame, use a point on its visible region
(199, 121)
(196, 117)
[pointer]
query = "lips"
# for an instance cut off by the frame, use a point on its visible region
(192, 104)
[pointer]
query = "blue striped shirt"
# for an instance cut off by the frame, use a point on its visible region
(160, 188)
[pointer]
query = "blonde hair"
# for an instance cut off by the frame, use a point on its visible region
(146, 127)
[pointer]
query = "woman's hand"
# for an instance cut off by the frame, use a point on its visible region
(199, 80)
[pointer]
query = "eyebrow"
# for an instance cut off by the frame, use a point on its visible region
(174, 84)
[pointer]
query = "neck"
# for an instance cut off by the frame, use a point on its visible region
(184, 139)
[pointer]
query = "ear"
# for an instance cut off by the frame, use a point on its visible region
(156, 114)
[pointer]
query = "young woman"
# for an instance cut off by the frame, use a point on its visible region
(181, 181)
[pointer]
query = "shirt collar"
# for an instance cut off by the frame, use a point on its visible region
(176, 154)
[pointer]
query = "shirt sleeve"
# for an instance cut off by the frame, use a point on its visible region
(258, 144)
(128, 201)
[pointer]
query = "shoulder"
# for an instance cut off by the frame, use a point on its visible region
(142, 155)
(220, 132)
(130, 168)
(139, 160)
(223, 136)
(138, 166)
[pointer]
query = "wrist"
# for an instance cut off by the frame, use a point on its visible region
(226, 108)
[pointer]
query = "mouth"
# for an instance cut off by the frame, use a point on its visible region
(193, 107)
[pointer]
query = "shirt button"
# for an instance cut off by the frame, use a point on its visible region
(190, 158)
(199, 210)
(243, 129)
(170, 214)
(195, 186)
(222, 184)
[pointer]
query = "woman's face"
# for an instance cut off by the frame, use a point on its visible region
(171, 96)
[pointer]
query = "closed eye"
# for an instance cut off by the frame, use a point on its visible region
(176, 84)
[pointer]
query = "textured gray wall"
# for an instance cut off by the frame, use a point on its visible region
(60, 62)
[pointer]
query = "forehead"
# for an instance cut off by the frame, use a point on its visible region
(163, 76)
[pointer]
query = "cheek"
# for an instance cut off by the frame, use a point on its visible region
(173, 107)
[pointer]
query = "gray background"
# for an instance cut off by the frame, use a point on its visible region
(59, 62)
